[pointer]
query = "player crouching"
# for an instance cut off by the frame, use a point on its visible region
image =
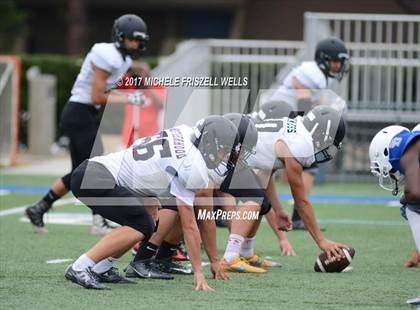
(395, 153)
(173, 163)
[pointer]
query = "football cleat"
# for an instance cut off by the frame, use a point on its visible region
(35, 214)
(168, 266)
(299, 225)
(86, 278)
(113, 276)
(180, 255)
(100, 226)
(240, 265)
(146, 269)
(258, 261)
(414, 301)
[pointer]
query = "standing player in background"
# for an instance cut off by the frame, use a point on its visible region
(146, 122)
(331, 62)
(395, 154)
(102, 68)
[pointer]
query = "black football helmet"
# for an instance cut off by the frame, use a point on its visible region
(276, 109)
(327, 128)
(332, 49)
(248, 135)
(133, 27)
(217, 139)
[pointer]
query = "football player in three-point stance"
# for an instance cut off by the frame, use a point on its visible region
(173, 164)
(291, 144)
(102, 68)
(167, 236)
(331, 63)
(395, 155)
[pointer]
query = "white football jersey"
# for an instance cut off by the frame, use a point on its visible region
(106, 57)
(162, 166)
(292, 132)
(308, 74)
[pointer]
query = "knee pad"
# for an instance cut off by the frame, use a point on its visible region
(265, 206)
(145, 225)
(67, 181)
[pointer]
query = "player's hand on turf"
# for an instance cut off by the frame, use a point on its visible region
(218, 272)
(286, 248)
(414, 261)
(136, 98)
(201, 283)
(284, 221)
(333, 248)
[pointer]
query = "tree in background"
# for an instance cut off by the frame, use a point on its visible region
(76, 23)
(12, 27)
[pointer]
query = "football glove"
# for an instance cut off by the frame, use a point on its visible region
(136, 98)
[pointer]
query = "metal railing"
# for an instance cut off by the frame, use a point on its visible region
(383, 84)
(382, 87)
(256, 60)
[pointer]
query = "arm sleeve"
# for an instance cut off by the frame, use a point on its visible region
(310, 76)
(100, 57)
(301, 149)
(180, 192)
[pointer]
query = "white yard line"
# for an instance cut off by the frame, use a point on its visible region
(21, 209)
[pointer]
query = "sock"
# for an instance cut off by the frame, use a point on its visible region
(50, 197)
(147, 250)
(104, 265)
(83, 262)
(413, 219)
(233, 247)
(247, 248)
(166, 250)
(295, 215)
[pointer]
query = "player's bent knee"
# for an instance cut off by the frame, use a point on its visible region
(145, 225)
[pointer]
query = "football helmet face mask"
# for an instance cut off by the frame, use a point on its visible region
(248, 136)
(327, 129)
(217, 139)
(332, 49)
(132, 27)
(379, 158)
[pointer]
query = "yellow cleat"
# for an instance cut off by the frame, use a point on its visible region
(240, 265)
(257, 261)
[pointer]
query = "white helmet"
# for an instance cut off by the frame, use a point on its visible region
(417, 128)
(379, 158)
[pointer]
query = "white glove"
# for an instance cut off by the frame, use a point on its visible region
(136, 98)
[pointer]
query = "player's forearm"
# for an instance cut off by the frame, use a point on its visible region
(272, 196)
(307, 214)
(208, 236)
(116, 97)
(192, 241)
(271, 219)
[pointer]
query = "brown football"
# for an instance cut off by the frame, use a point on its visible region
(323, 264)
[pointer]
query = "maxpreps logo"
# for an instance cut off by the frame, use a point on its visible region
(227, 215)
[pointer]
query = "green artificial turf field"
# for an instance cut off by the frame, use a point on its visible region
(378, 280)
